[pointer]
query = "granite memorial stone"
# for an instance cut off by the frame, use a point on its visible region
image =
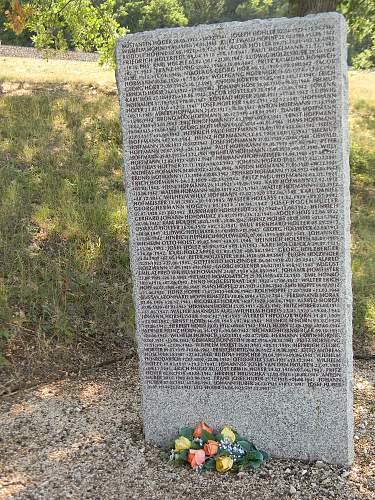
(237, 185)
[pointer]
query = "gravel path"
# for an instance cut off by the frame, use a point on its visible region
(82, 438)
(16, 51)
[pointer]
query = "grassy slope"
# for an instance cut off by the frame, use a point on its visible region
(362, 120)
(64, 279)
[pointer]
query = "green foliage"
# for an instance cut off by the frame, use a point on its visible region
(187, 432)
(246, 445)
(207, 436)
(209, 464)
(359, 161)
(180, 458)
(204, 11)
(162, 14)
(258, 9)
(230, 8)
(195, 446)
(364, 59)
(7, 35)
(210, 11)
(91, 25)
(360, 15)
(183, 455)
(143, 15)
(253, 460)
(60, 24)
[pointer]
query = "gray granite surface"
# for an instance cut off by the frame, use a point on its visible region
(237, 186)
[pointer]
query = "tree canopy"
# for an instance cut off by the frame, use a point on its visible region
(94, 25)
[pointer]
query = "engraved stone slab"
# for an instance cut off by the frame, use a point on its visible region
(237, 182)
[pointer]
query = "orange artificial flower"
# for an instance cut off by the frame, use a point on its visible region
(196, 458)
(211, 447)
(199, 428)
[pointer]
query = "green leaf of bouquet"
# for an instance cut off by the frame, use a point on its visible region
(195, 445)
(218, 437)
(246, 445)
(187, 432)
(210, 464)
(265, 455)
(179, 460)
(255, 464)
(206, 436)
(222, 453)
(250, 444)
(184, 454)
(236, 467)
(254, 455)
(171, 445)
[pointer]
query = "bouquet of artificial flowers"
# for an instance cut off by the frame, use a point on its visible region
(205, 449)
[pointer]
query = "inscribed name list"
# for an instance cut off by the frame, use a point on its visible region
(232, 152)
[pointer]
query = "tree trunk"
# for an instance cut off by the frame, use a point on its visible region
(314, 6)
(302, 8)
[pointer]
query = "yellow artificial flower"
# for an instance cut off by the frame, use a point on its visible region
(228, 434)
(182, 443)
(223, 463)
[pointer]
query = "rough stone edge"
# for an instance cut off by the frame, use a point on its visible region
(346, 296)
(252, 24)
(133, 258)
(343, 178)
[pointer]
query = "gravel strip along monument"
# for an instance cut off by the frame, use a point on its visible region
(237, 184)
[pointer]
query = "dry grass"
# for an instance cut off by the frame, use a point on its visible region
(362, 163)
(54, 71)
(362, 86)
(65, 289)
